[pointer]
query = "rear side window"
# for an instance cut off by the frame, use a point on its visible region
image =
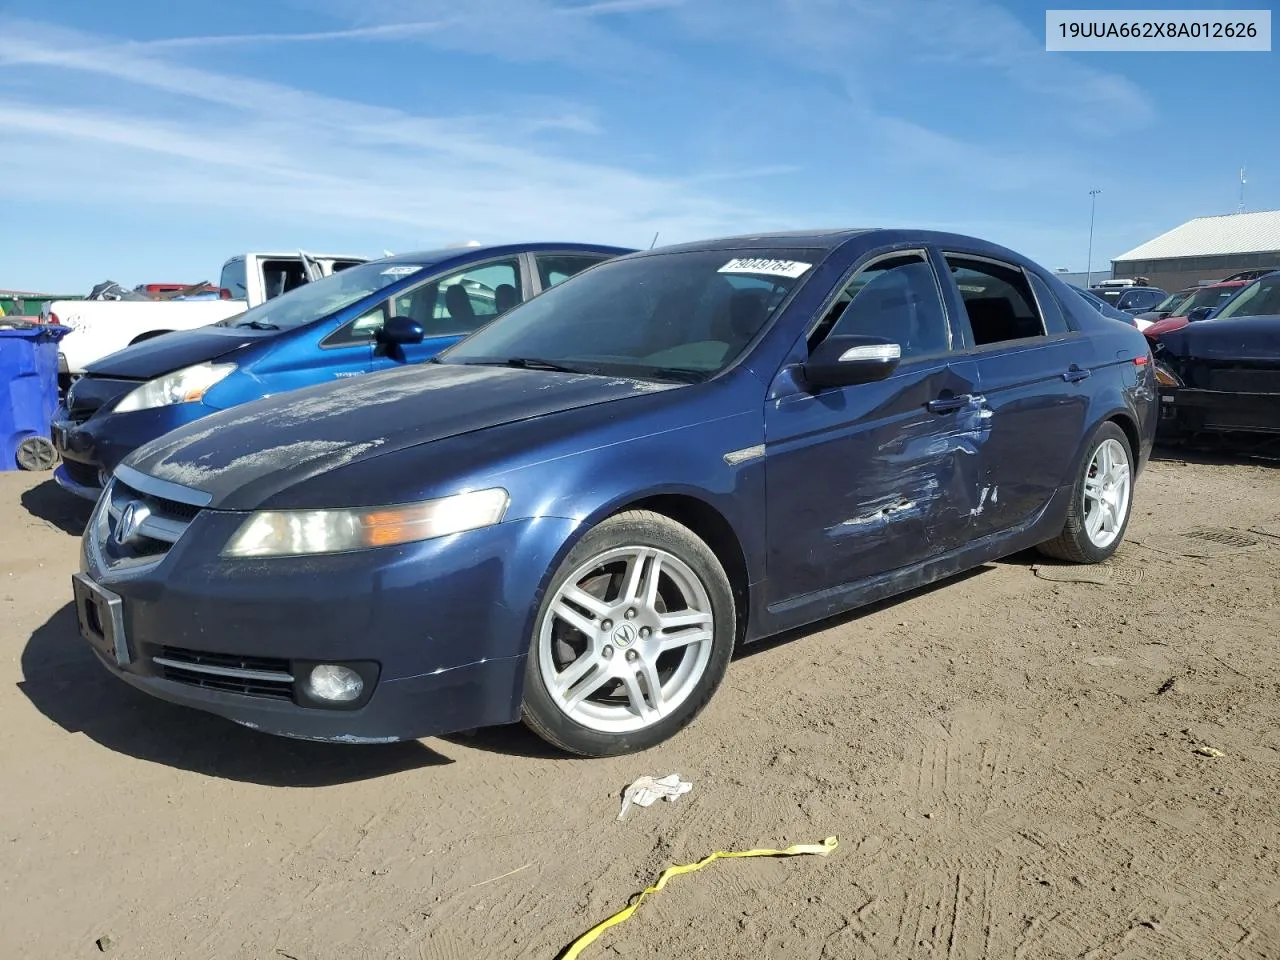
(558, 267)
(998, 300)
(1055, 320)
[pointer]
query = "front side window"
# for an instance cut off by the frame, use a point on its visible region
(281, 276)
(1260, 299)
(666, 316)
(465, 300)
(997, 299)
(896, 299)
(555, 268)
(234, 278)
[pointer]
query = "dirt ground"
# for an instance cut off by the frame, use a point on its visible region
(1010, 763)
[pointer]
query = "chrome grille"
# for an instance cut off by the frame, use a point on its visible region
(141, 518)
(231, 673)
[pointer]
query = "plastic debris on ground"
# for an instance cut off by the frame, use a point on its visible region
(647, 790)
(575, 949)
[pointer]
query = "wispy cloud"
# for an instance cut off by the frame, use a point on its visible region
(386, 31)
(229, 141)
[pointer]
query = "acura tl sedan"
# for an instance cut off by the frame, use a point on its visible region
(574, 516)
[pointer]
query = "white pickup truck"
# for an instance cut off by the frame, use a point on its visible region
(101, 327)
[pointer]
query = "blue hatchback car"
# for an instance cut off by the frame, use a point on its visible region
(574, 515)
(352, 323)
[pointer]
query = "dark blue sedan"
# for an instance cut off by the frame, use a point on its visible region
(573, 516)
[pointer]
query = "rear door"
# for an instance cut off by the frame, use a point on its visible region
(1033, 376)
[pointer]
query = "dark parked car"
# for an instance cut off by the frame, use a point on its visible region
(1104, 308)
(575, 515)
(349, 324)
(1131, 299)
(1200, 304)
(1222, 375)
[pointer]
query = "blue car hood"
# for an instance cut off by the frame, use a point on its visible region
(172, 351)
(247, 454)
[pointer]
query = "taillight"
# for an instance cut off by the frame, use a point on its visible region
(53, 319)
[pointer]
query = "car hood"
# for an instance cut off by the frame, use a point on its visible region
(242, 456)
(172, 351)
(1243, 339)
(1167, 325)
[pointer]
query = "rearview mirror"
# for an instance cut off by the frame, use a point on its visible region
(1199, 313)
(845, 361)
(400, 331)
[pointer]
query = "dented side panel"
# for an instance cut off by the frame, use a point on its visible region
(1036, 418)
(867, 479)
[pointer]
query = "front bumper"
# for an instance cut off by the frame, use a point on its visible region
(1185, 411)
(91, 449)
(446, 622)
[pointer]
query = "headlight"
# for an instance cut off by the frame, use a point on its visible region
(1166, 377)
(181, 386)
(283, 533)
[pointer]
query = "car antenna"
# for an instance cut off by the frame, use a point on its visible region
(655, 241)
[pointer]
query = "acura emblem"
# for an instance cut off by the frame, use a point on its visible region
(132, 517)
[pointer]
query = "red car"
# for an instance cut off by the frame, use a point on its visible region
(1202, 301)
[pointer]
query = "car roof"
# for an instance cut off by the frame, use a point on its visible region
(827, 241)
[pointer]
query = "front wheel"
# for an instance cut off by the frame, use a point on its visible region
(1101, 501)
(631, 640)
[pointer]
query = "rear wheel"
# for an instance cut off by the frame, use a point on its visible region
(631, 640)
(1101, 502)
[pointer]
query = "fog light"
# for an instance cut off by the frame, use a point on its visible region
(336, 683)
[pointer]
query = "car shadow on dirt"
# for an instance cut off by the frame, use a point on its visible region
(858, 613)
(61, 510)
(64, 681)
(1222, 451)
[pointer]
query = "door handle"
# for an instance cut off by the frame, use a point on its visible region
(1076, 373)
(949, 404)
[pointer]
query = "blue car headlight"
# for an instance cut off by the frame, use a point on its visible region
(181, 386)
(292, 533)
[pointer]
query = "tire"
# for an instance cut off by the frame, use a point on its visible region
(592, 648)
(1080, 540)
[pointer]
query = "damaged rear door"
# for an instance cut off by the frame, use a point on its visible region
(867, 479)
(1035, 375)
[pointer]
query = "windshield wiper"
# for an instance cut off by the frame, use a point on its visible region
(536, 363)
(259, 325)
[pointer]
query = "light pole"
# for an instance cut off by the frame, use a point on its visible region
(1093, 207)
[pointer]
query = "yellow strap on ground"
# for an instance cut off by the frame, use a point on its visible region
(800, 849)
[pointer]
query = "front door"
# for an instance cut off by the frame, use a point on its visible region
(867, 479)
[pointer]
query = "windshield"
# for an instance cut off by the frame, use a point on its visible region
(320, 298)
(673, 316)
(1170, 302)
(1260, 299)
(1207, 297)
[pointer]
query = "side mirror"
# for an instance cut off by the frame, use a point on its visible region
(400, 331)
(846, 361)
(1199, 313)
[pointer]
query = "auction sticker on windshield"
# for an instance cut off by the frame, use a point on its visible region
(769, 268)
(401, 270)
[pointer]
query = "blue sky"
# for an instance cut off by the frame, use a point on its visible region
(144, 140)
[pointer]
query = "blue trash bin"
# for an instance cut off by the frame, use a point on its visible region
(28, 393)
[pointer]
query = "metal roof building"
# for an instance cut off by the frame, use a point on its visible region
(1207, 248)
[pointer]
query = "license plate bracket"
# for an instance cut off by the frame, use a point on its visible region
(101, 616)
